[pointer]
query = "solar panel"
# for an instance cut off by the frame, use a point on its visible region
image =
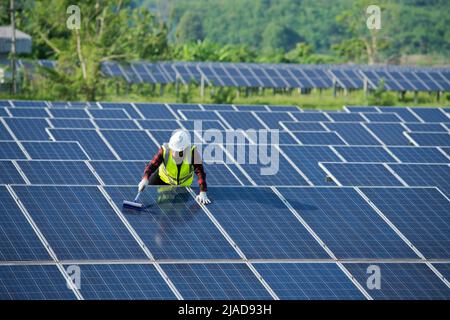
(444, 269)
(251, 108)
(4, 134)
(30, 104)
(361, 109)
(213, 281)
(29, 112)
(221, 174)
(402, 112)
(58, 172)
(361, 174)
(242, 120)
(308, 281)
(33, 282)
(55, 150)
(353, 133)
(218, 107)
(382, 117)
(10, 150)
(116, 124)
(18, 242)
(426, 127)
(119, 172)
(161, 136)
(284, 108)
(173, 225)
(364, 154)
(160, 125)
(131, 144)
(69, 113)
(310, 116)
(431, 114)
(419, 154)
(109, 114)
(303, 126)
(346, 117)
(200, 125)
(3, 112)
(346, 223)
(424, 175)
(28, 128)
(154, 111)
(90, 141)
(71, 123)
(79, 223)
(123, 282)
(402, 281)
(127, 106)
(325, 138)
(4, 103)
(200, 115)
(421, 214)
(272, 119)
(9, 173)
(390, 133)
(261, 225)
(431, 139)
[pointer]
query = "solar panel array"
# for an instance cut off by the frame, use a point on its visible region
(396, 78)
(356, 190)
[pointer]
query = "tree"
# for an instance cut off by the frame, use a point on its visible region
(276, 36)
(190, 28)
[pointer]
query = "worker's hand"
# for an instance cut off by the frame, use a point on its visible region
(142, 184)
(202, 198)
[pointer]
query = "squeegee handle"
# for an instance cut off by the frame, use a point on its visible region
(138, 196)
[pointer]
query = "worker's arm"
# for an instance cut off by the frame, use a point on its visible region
(201, 175)
(151, 167)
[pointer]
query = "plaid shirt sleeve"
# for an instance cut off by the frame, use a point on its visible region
(153, 165)
(199, 171)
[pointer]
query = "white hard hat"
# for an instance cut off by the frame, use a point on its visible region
(180, 140)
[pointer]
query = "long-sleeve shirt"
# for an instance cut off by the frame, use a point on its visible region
(154, 164)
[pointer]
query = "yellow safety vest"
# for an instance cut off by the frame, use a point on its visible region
(168, 170)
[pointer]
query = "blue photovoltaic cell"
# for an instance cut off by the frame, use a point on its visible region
(319, 138)
(184, 106)
(431, 114)
(218, 174)
(33, 282)
(162, 136)
(261, 225)
(4, 103)
(304, 126)
(201, 125)
(3, 112)
(353, 133)
(226, 281)
(109, 114)
(79, 223)
(425, 175)
(390, 133)
(9, 173)
(431, 139)
(10, 150)
(272, 138)
(127, 106)
(421, 214)
(306, 158)
(69, 113)
(90, 140)
(69, 123)
(116, 124)
(173, 225)
(383, 117)
(58, 172)
(123, 282)
(18, 242)
(419, 154)
(272, 119)
(403, 281)
(346, 223)
(284, 108)
(446, 150)
(361, 109)
(444, 269)
(31, 104)
(346, 117)
(200, 115)
(426, 127)
(310, 116)
(119, 172)
(365, 154)
(55, 150)
(402, 112)
(362, 174)
(28, 128)
(219, 107)
(242, 120)
(308, 281)
(251, 108)
(154, 111)
(131, 145)
(160, 124)
(31, 112)
(4, 134)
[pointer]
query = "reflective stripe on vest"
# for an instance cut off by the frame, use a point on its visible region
(168, 170)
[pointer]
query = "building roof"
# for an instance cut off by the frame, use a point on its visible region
(6, 32)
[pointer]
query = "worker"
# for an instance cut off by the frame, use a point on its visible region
(175, 164)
